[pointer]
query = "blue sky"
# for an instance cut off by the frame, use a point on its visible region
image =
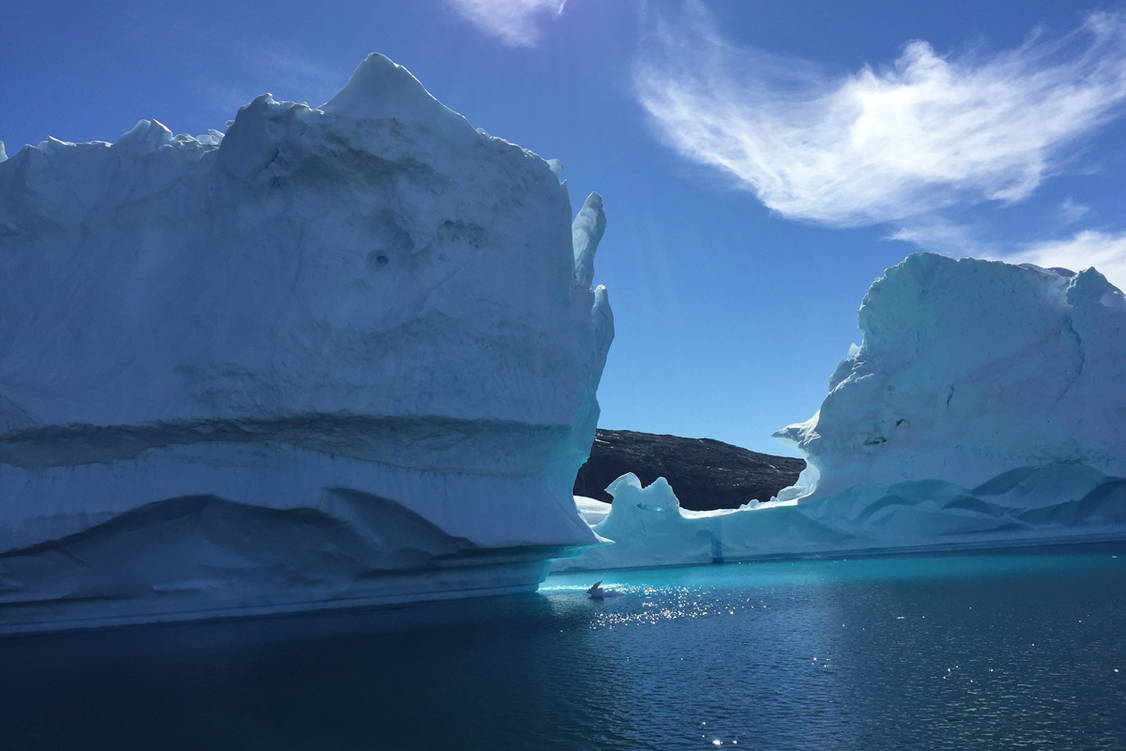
(762, 161)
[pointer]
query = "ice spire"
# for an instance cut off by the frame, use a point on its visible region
(586, 233)
(146, 135)
(381, 88)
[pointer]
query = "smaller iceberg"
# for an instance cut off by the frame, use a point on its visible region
(597, 592)
(983, 408)
(646, 527)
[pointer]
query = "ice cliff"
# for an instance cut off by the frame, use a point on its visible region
(342, 354)
(985, 406)
(969, 369)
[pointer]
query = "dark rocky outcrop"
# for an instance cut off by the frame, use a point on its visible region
(704, 474)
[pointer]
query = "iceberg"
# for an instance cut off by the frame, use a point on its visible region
(983, 408)
(969, 369)
(338, 355)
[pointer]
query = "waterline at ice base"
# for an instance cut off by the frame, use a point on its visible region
(336, 356)
(984, 408)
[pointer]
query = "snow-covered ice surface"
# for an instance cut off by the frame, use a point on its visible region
(985, 406)
(592, 510)
(336, 355)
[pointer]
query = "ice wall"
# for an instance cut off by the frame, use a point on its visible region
(357, 312)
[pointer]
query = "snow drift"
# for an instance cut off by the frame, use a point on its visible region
(269, 368)
(985, 406)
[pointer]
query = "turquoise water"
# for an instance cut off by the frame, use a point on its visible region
(1006, 650)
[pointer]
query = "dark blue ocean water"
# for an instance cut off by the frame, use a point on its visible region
(1022, 649)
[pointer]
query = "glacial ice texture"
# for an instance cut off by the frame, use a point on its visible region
(984, 407)
(1032, 505)
(969, 369)
(265, 367)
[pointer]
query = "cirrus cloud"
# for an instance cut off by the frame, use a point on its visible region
(1106, 251)
(515, 23)
(882, 144)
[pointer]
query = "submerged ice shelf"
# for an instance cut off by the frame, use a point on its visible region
(336, 354)
(984, 407)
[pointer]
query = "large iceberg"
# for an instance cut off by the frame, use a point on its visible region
(984, 407)
(337, 355)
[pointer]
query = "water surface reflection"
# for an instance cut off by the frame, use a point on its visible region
(955, 651)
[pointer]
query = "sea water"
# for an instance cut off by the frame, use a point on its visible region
(1017, 649)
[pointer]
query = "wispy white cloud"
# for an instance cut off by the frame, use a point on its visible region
(887, 144)
(942, 236)
(1071, 211)
(514, 22)
(286, 75)
(299, 77)
(1106, 251)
